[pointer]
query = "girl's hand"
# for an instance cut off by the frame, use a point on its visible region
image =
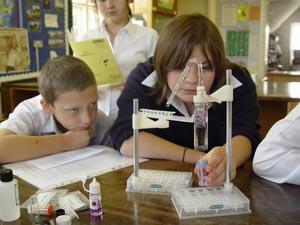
(216, 166)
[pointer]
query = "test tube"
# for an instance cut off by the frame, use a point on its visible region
(200, 120)
(202, 175)
(36, 209)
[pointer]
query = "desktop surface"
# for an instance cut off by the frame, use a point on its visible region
(270, 203)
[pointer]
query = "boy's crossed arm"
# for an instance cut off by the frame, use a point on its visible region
(14, 147)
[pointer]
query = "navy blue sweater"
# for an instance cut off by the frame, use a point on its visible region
(245, 112)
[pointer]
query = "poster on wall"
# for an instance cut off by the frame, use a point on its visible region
(14, 50)
(9, 13)
(33, 13)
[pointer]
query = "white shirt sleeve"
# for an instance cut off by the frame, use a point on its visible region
(152, 42)
(277, 158)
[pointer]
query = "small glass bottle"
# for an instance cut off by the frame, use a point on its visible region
(95, 198)
(200, 120)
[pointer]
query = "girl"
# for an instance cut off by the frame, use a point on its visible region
(184, 38)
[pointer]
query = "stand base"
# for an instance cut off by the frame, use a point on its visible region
(158, 181)
(209, 202)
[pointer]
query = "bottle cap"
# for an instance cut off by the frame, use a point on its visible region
(200, 97)
(201, 164)
(6, 175)
(59, 212)
(94, 187)
(63, 220)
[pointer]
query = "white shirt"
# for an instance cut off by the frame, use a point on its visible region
(277, 158)
(28, 118)
(133, 44)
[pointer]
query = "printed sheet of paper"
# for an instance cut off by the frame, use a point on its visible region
(51, 20)
(103, 162)
(229, 15)
(97, 54)
(47, 162)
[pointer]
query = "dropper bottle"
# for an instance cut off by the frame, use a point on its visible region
(95, 198)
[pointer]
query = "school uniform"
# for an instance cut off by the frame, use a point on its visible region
(139, 85)
(277, 157)
(28, 118)
(133, 44)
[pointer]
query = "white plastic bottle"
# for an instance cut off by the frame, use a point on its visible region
(95, 198)
(9, 196)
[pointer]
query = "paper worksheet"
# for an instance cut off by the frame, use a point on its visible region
(47, 162)
(97, 164)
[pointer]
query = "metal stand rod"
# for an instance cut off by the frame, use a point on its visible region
(228, 132)
(136, 140)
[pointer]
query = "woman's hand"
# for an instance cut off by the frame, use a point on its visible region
(216, 166)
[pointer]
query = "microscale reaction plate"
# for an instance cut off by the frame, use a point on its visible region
(158, 181)
(209, 202)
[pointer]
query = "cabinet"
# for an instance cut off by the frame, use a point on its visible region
(156, 13)
(13, 93)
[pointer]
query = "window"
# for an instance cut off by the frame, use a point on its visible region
(85, 16)
(295, 45)
(295, 34)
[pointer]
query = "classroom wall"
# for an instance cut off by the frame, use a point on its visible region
(192, 6)
(284, 34)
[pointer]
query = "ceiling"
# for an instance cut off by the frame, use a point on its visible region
(280, 11)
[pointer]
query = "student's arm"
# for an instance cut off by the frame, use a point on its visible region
(15, 147)
(154, 147)
(151, 43)
(277, 158)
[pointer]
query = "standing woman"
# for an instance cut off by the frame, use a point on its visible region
(131, 44)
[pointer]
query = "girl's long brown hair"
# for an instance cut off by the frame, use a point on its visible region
(176, 44)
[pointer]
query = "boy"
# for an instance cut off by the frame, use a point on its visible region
(63, 117)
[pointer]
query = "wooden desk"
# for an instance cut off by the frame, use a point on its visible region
(275, 100)
(13, 93)
(284, 76)
(271, 204)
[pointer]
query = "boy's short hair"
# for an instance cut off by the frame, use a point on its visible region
(64, 74)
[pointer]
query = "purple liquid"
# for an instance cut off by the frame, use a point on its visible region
(95, 207)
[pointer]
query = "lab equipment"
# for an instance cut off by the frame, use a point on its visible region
(209, 202)
(201, 104)
(9, 195)
(34, 214)
(94, 198)
(214, 201)
(152, 181)
(201, 165)
(75, 199)
(38, 209)
(158, 181)
(45, 197)
(63, 220)
(200, 120)
(60, 212)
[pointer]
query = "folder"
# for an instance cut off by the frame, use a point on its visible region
(98, 55)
